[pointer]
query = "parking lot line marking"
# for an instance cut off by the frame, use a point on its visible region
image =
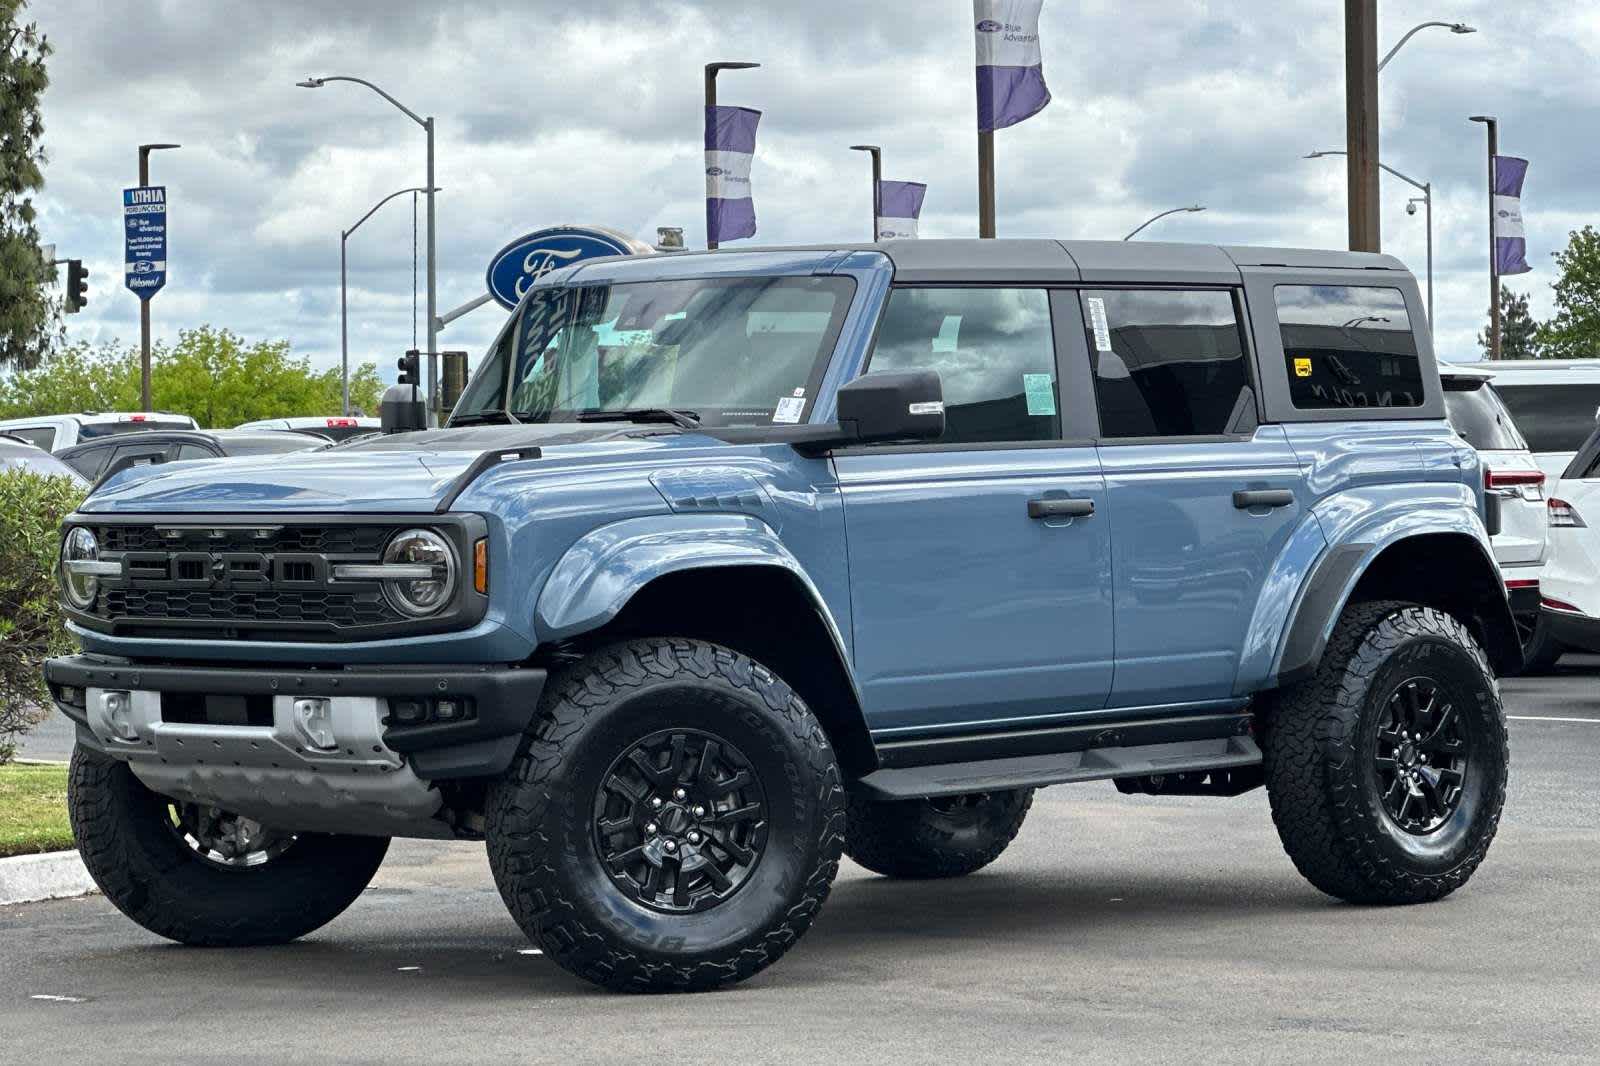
(59, 999)
(1547, 718)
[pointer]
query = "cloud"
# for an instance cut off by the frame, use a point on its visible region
(551, 113)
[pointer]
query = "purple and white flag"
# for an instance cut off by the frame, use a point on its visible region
(1010, 71)
(730, 146)
(899, 206)
(1510, 245)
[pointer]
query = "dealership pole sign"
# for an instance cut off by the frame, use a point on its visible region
(144, 215)
(528, 258)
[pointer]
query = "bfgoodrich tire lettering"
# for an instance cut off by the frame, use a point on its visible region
(549, 818)
(1329, 768)
(949, 836)
(147, 870)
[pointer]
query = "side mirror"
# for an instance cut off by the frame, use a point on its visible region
(402, 409)
(893, 405)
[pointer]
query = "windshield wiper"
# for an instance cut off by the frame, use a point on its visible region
(484, 418)
(669, 415)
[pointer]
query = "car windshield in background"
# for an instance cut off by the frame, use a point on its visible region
(1479, 416)
(106, 429)
(733, 351)
(1554, 418)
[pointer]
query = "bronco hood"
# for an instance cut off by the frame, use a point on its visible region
(403, 472)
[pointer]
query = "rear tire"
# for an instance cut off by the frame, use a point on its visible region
(949, 836)
(675, 822)
(1386, 771)
(153, 874)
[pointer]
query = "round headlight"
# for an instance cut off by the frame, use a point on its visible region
(421, 596)
(79, 545)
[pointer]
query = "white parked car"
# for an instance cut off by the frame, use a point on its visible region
(1514, 485)
(1554, 402)
(55, 432)
(329, 427)
(19, 454)
(1570, 584)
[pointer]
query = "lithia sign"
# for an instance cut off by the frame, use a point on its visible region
(529, 258)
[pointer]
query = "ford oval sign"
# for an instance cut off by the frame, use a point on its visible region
(527, 259)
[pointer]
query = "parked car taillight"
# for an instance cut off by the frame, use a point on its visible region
(1563, 513)
(1529, 484)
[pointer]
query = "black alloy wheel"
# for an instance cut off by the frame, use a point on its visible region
(1420, 756)
(680, 821)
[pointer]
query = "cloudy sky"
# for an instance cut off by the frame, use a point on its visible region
(590, 112)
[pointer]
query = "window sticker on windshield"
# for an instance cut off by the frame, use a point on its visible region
(800, 391)
(1041, 394)
(1097, 322)
(1302, 367)
(789, 408)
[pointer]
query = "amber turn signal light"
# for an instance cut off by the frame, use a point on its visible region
(480, 566)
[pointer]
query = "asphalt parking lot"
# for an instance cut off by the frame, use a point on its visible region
(1116, 929)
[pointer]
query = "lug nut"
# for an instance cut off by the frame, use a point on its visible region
(694, 838)
(671, 845)
(679, 794)
(651, 828)
(656, 801)
(699, 812)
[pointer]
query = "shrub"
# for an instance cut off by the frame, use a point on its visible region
(31, 510)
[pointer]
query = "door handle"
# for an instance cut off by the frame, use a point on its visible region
(1245, 499)
(1060, 507)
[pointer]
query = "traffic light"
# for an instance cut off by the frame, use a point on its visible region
(410, 368)
(77, 286)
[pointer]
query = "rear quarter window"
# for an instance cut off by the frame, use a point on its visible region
(1348, 346)
(1479, 416)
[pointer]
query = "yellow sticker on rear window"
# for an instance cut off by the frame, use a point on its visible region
(1302, 368)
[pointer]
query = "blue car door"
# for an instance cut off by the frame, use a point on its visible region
(1202, 499)
(980, 566)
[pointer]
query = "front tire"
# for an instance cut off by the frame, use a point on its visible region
(946, 836)
(167, 867)
(1386, 771)
(675, 822)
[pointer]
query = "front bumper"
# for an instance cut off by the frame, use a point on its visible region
(229, 736)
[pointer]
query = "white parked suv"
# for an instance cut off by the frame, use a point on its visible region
(1514, 486)
(1570, 585)
(1554, 402)
(55, 432)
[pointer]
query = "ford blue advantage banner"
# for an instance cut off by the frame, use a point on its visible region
(1010, 71)
(144, 216)
(730, 147)
(900, 205)
(1510, 241)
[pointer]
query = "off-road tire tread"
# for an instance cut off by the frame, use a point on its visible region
(897, 839)
(519, 804)
(1310, 755)
(171, 892)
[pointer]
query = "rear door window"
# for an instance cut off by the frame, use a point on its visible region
(1479, 416)
(1348, 346)
(1167, 362)
(43, 436)
(1553, 418)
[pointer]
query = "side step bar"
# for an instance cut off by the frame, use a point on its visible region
(1032, 771)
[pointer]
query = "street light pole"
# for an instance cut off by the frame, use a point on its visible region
(877, 182)
(427, 125)
(712, 70)
(1453, 27)
(344, 315)
(1493, 126)
(1164, 214)
(1426, 188)
(145, 403)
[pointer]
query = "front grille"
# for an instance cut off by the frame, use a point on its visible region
(240, 581)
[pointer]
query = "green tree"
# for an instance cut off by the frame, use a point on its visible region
(1574, 332)
(213, 375)
(1518, 330)
(29, 314)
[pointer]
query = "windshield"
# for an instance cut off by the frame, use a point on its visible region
(1479, 416)
(733, 351)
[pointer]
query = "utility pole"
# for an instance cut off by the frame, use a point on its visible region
(877, 182)
(985, 183)
(1361, 122)
(145, 403)
(1493, 128)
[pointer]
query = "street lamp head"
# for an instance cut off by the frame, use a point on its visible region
(1196, 207)
(1462, 27)
(311, 83)
(1482, 118)
(712, 68)
(864, 148)
(157, 147)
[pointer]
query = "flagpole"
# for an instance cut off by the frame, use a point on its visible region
(877, 182)
(1493, 126)
(986, 183)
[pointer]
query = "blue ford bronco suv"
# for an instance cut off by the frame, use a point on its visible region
(730, 563)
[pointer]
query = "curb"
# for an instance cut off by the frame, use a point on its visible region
(53, 875)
